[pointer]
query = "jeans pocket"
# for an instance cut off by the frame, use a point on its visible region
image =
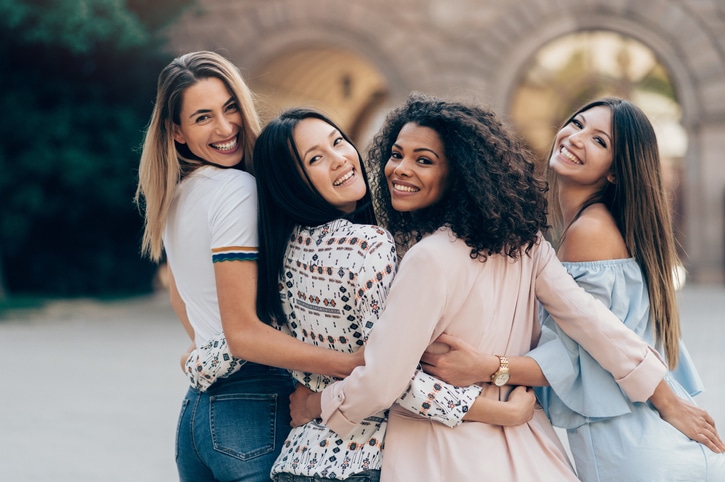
(182, 412)
(243, 424)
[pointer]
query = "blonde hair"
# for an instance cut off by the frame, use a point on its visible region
(164, 163)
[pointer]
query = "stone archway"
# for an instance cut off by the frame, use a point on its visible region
(582, 66)
(335, 80)
(322, 54)
(690, 57)
(477, 48)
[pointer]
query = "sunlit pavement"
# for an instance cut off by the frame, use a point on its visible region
(91, 390)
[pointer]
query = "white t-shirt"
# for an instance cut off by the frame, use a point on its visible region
(212, 218)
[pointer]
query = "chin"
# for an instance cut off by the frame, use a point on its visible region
(401, 208)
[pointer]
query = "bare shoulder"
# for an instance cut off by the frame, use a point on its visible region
(594, 236)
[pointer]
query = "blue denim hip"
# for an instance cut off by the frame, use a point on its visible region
(247, 375)
(236, 428)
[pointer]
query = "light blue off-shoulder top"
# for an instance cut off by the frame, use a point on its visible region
(580, 390)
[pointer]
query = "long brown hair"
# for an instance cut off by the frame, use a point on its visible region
(164, 162)
(638, 202)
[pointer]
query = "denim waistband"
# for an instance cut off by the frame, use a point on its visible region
(253, 370)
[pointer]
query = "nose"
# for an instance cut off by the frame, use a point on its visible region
(337, 161)
(576, 138)
(224, 126)
(401, 168)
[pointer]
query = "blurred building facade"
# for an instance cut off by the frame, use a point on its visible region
(533, 61)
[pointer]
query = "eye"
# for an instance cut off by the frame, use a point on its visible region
(201, 119)
(233, 107)
(577, 123)
(338, 140)
(395, 155)
(600, 141)
(314, 159)
(424, 161)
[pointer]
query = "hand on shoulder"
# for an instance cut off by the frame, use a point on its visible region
(593, 236)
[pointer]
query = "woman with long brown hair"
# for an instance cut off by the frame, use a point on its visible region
(611, 216)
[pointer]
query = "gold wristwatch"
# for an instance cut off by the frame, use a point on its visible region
(501, 376)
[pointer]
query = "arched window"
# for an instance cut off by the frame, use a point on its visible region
(337, 81)
(572, 70)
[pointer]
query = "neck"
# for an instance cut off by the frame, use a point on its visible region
(571, 199)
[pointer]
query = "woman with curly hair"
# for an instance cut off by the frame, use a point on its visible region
(615, 238)
(459, 193)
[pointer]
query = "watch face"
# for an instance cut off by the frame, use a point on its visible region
(501, 379)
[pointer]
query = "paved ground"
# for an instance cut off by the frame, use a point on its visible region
(92, 390)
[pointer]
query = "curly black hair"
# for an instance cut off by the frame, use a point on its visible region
(494, 200)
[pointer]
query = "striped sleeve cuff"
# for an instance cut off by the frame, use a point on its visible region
(234, 253)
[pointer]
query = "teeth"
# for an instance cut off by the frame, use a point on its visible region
(344, 178)
(226, 147)
(565, 152)
(399, 187)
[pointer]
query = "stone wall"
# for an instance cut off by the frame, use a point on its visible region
(477, 48)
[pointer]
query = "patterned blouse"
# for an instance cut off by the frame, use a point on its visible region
(333, 289)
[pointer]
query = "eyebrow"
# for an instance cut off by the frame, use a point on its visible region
(419, 149)
(332, 133)
(205, 111)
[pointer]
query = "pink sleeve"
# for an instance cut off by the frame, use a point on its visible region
(635, 365)
(394, 348)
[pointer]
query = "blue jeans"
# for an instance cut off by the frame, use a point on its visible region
(235, 430)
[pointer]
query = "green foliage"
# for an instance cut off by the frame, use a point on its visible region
(77, 89)
(77, 25)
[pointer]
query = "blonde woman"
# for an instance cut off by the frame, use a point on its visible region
(201, 211)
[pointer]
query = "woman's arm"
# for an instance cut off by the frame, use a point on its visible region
(457, 401)
(432, 398)
(251, 339)
(202, 365)
(393, 351)
(463, 364)
(689, 419)
(209, 362)
(636, 367)
(518, 409)
(457, 362)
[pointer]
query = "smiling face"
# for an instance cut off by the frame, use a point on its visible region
(331, 163)
(583, 149)
(211, 123)
(417, 171)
